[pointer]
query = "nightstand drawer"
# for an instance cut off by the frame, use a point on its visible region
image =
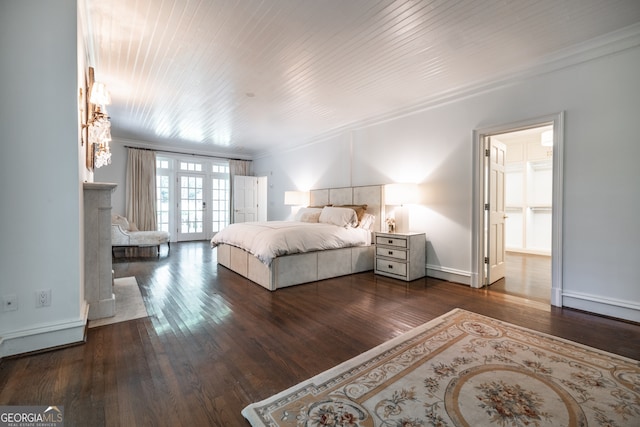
(392, 267)
(391, 241)
(391, 253)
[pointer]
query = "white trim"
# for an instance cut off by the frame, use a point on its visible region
(449, 274)
(45, 336)
(557, 212)
(477, 234)
(541, 252)
(621, 309)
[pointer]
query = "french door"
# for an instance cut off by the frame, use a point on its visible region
(194, 195)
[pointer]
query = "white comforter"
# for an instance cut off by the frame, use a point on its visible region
(267, 240)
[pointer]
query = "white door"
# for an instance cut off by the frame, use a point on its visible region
(192, 206)
(262, 198)
(245, 198)
(496, 239)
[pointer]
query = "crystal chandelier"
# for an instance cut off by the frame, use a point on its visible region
(99, 126)
(99, 136)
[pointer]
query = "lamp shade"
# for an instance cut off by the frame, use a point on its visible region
(99, 94)
(400, 194)
(296, 198)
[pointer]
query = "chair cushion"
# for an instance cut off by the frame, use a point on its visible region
(148, 238)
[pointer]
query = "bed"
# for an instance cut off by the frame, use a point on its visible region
(281, 270)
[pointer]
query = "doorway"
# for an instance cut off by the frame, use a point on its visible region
(520, 196)
(495, 212)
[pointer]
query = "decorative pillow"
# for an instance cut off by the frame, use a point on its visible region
(367, 222)
(308, 214)
(342, 217)
(121, 221)
(360, 210)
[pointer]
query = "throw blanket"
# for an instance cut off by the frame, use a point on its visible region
(267, 240)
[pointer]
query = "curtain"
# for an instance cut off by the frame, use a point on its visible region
(236, 167)
(141, 189)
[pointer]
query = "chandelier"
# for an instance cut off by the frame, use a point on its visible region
(98, 124)
(99, 137)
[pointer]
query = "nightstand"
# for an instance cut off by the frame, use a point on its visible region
(400, 255)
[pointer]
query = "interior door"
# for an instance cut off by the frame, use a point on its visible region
(262, 198)
(245, 198)
(496, 227)
(191, 206)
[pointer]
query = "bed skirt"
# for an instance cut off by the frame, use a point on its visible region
(299, 268)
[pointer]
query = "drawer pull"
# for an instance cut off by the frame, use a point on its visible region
(390, 242)
(390, 252)
(390, 266)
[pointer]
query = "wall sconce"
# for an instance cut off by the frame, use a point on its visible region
(400, 195)
(98, 124)
(296, 198)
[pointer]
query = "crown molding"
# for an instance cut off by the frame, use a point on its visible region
(611, 43)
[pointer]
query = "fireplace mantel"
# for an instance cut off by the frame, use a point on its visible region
(98, 276)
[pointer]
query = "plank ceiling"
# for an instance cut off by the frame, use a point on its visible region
(249, 76)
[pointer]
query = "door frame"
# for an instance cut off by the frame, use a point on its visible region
(478, 243)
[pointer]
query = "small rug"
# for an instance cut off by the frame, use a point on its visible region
(464, 369)
(129, 304)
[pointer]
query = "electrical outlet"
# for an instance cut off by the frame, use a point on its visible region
(43, 298)
(9, 303)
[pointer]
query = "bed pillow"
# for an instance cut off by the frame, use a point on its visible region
(360, 210)
(367, 222)
(308, 214)
(342, 217)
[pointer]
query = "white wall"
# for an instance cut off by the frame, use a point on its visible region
(116, 172)
(434, 147)
(41, 194)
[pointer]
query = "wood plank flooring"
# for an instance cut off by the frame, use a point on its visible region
(215, 342)
(527, 276)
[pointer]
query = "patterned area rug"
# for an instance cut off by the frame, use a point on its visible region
(464, 369)
(129, 303)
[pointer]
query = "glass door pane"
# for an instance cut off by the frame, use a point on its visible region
(191, 206)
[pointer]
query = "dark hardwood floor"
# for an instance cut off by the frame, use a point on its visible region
(526, 276)
(215, 342)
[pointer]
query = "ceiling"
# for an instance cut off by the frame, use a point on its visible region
(241, 78)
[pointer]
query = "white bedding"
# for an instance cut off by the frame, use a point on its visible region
(267, 240)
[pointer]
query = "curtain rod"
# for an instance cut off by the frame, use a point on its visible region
(185, 154)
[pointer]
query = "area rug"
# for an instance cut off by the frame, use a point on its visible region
(129, 303)
(464, 369)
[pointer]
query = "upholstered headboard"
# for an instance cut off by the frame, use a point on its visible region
(371, 195)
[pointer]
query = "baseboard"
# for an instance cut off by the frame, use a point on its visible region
(541, 252)
(449, 274)
(45, 337)
(620, 309)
